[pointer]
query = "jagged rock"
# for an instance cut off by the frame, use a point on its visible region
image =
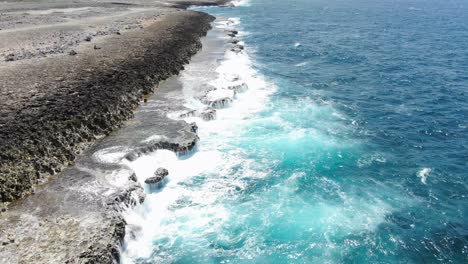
(131, 156)
(127, 196)
(208, 114)
(238, 88)
(238, 46)
(193, 127)
(133, 177)
(161, 172)
(190, 113)
(88, 38)
(159, 175)
(72, 53)
(218, 103)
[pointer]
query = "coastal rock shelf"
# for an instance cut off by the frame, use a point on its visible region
(56, 107)
(45, 133)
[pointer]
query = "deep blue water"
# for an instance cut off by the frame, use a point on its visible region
(363, 144)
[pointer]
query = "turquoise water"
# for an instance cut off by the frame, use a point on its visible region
(358, 155)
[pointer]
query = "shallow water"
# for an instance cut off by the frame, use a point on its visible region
(350, 144)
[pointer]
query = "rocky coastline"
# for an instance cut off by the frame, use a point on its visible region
(56, 106)
(72, 100)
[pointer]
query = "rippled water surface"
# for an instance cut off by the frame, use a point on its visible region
(349, 146)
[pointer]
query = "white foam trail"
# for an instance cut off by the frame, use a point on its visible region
(302, 64)
(423, 174)
(240, 3)
(110, 155)
(160, 218)
(153, 138)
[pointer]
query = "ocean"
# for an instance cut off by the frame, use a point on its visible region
(350, 144)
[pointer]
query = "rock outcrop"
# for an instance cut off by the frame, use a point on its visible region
(99, 92)
(159, 175)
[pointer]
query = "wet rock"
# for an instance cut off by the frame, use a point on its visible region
(88, 38)
(96, 47)
(153, 180)
(131, 195)
(133, 177)
(159, 175)
(238, 46)
(72, 53)
(132, 156)
(190, 113)
(208, 114)
(193, 127)
(232, 33)
(238, 88)
(161, 172)
(218, 103)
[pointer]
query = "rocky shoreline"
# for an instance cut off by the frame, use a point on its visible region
(80, 98)
(55, 108)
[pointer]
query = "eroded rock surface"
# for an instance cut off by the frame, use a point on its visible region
(56, 105)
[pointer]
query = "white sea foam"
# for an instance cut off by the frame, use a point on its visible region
(297, 44)
(219, 94)
(153, 138)
(110, 155)
(423, 174)
(161, 217)
(302, 64)
(241, 3)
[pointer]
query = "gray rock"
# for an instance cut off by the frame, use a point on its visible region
(153, 180)
(190, 113)
(208, 114)
(133, 177)
(238, 46)
(159, 175)
(238, 88)
(161, 172)
(218, 103)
